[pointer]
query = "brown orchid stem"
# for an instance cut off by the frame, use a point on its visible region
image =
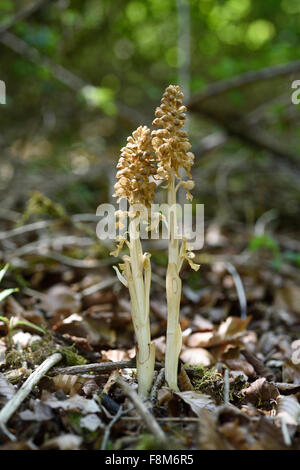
(173, 290)
(138, 274)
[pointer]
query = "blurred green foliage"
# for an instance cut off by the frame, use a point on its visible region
(122, 55)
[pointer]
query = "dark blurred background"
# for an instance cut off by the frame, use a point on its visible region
(82, 75)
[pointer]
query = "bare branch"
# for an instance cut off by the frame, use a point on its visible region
(23, 14)
(9, 409)
(239, 81)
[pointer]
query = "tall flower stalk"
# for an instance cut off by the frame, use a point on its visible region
(136, 165)
(171, 146)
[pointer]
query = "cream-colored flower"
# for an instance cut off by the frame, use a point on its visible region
(136, 165)
(171, 143)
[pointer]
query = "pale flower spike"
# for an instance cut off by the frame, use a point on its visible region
(136, 165)
(171, 145)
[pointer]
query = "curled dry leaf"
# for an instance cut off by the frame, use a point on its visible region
(241, 365)
(164, 395)
(197, 357)
(63, 442)
(260, 391)
(70, 384)
(231, 329)
(76, 402)
(184, 382)
(197, 401)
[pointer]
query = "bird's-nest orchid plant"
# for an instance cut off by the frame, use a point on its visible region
(160, 155)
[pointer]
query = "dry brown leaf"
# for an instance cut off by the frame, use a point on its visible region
(184, 382)
(200, 323)
(288, 298)
(209, 437)
(241, 365)
(202, 339)
(63, 442)
(291, 372)
(197, 401)
(197, 357)
(236, 435)
(260, 391)
(61, 299)
(231, 329)
(70, 384)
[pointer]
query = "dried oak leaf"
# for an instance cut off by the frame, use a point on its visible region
(229, 330)
(241, 365)
(197, 401)
(197, 356)
(260, 391)
(61, 299)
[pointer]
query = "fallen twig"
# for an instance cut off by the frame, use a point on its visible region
(99, 367)
(157, 384)
(13, 404)
(149, 419)
(109, 427)
(226, 387)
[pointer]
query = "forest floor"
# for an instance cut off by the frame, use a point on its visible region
(239, 371)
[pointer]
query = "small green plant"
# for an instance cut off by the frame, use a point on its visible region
(13, 322)
(5, 293)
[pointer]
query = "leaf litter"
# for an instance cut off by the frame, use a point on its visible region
(90, 324)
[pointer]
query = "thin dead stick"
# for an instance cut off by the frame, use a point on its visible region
(226, 387)
(148, 418)
(109, 427)
(170, 419)
(9, 409)
(99, 367)
(158, 383)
